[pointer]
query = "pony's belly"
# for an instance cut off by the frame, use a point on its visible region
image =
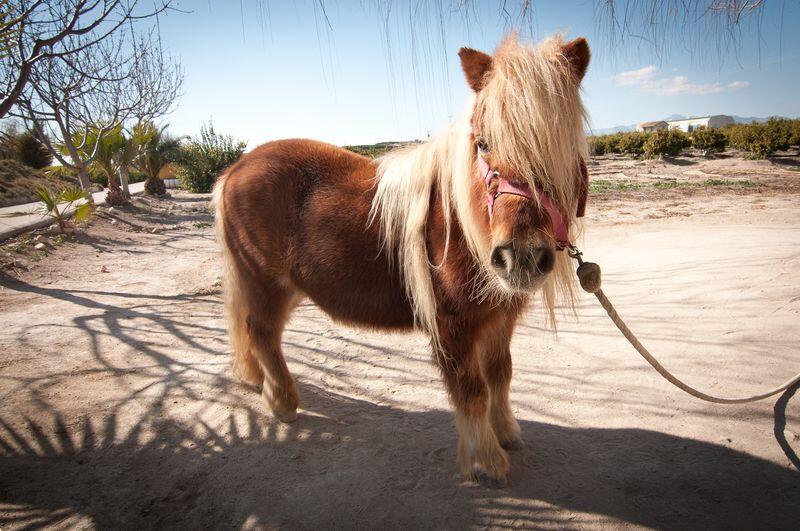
(356, 291)
(363, 311)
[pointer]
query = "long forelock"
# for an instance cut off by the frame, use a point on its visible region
(531, 114)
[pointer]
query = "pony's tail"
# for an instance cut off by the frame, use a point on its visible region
(245, 365)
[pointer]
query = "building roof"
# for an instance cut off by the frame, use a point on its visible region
(701, 117)
(651, 124)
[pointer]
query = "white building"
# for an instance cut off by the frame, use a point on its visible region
(690, 124)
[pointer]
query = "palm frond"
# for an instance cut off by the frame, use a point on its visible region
(71, 195)
(48, 198)
(82, 212)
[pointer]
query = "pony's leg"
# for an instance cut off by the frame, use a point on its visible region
(496, 365)
(479, 453)
(265, 324)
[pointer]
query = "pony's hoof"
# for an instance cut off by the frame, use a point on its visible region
(487, 481)
(286, 417)
(513, 445)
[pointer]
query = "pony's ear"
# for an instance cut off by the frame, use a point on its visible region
(476, 66)
(577, 53)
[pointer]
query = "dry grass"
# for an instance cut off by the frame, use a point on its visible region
(18, 182)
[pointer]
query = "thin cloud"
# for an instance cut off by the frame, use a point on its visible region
(648, 79)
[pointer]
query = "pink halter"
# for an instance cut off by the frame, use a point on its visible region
(523, 189)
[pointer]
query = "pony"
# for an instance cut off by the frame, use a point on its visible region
(452, 237)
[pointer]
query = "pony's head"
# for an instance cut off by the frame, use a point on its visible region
(527, 151)
(525, 123)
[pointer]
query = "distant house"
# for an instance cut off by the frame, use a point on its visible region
(690, 124)
(651, 126)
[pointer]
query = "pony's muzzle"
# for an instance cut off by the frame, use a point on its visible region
(519, 265)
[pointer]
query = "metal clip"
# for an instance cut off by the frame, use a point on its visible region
(575, 253)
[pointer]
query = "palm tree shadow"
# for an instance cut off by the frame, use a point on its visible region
(352, 463)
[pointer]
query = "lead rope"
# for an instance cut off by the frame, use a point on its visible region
(589, 277)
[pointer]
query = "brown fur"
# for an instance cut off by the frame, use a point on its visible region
(293, 219)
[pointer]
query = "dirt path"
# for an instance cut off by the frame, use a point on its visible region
(117, 409)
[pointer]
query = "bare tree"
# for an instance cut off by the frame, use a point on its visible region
(32, 31)
(80, 98)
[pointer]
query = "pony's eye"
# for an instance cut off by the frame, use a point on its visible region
(482, 145)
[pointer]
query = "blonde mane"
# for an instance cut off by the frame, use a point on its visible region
(531, 114)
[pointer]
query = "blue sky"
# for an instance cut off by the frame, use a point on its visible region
(275, 69)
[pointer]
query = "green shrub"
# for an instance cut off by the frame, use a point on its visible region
(24, 147)
(598, 145)
(202, 159)
(779, 131)
(632, 143)
(32, 152)
(738, 136)
(373, 151)
(794, 139)
(665, 142)
(760, 140)
(762, 147)
(612, 143)
(136, 176)
(709, 140)
(622, 143)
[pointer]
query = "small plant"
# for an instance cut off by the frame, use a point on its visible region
(744, 183)
(599, 186)
(203, 158)
(58, 205)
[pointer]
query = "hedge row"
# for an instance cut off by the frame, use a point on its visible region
(756, 140)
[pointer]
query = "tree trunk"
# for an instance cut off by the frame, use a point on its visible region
(113, 182)
(85, 182)
(123, 177)
(115, 195)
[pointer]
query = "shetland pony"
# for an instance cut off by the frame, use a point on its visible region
(452, 237)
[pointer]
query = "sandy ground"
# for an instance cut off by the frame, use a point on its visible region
(118, 410)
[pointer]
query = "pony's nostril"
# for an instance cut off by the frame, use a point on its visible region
(544, 259)
(503, 258)
(497, 259)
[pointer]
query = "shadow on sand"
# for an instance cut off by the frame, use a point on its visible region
(139, 465)
(326, 471)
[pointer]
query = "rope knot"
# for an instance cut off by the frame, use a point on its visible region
(589, 277)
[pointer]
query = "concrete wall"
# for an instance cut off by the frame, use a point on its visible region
(691, 124)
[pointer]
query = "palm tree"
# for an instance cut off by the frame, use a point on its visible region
(156, 150)
(114, 156)
(58, 205)
(103, 161)
(124, 156)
